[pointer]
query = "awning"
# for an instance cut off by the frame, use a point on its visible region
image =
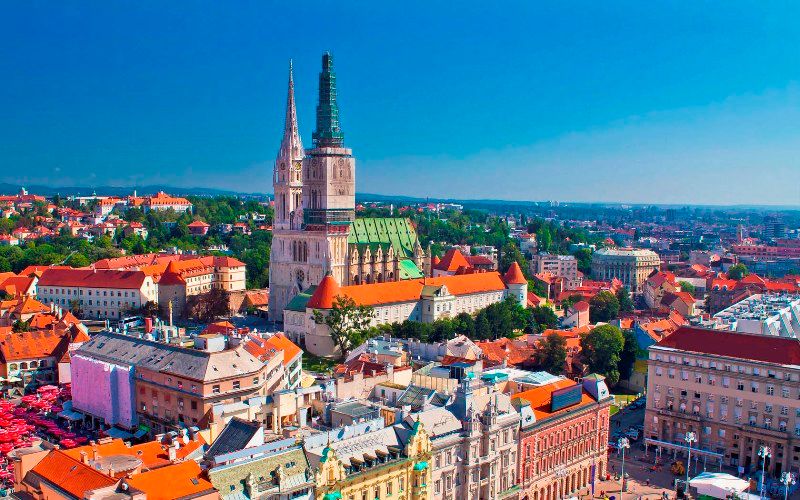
(718, 484)
(71, 415)
(118, 433)
(140, 432)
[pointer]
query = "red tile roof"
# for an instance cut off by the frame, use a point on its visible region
(540, 398)
(514, 275)
(766, 348)
(71, 475)
(325, 294)
(452, 260)
(581, 306)
(92, 278)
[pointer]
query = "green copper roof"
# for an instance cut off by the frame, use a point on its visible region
(384, 231)
(334, 495)
(420, 465)
(409, 270)
(328, 134)
(299, 301)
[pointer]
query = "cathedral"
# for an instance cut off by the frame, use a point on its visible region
(315, 232)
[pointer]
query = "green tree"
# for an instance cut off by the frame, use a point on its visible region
(687, 287)
(737, 272)
(624, 300)
(465, 325)
(601, 349)
(583, 256)
(78, 260)
(628, 355)
(553, 354)
(544, 317)
(347, 322)
(483, 330)
(603, 307)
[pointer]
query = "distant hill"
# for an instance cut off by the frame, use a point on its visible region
(6, 188)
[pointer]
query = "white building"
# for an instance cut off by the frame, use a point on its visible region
(763, 314)
(424, 300)
(98, 293)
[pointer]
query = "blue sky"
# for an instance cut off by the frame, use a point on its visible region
(662, 102)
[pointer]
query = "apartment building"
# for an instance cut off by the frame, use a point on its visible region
(133, 382)
(97, 293)
(735, 391)
(562, 266)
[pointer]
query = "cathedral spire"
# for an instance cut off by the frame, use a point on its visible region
(328, 134)
(291, 145)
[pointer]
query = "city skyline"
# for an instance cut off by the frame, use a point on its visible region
(590, 118)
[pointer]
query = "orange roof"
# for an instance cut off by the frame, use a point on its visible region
(514, 275)
(153, 454)
(541, 397)
(325, 294)
(497, 351)
(180, 480)
(280, 342)
(29, 305)
(257, 297)
(452, 260)
(198, 223)
(70, 474)
(219, 327)
(435, 260)
(403, 291)
(34, 344)
(19, 284)
(172, 275)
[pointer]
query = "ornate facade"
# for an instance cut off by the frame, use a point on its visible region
(376, 464)
(315, 231)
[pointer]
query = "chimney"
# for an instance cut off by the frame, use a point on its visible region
(95, 455)
(172, 452)
(84, 457)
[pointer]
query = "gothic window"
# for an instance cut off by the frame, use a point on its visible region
(356, 279)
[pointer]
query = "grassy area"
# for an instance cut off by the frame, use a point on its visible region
(613, 410)
(313, 363)
(621, 400)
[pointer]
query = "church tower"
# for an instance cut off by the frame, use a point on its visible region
(329, 181)
(287, 173)
(314, 201)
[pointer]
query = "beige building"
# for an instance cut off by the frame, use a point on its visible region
(631, 266)
(735, 391)
(562, 266)
(97, 293)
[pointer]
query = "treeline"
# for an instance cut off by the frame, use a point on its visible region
(503, 319)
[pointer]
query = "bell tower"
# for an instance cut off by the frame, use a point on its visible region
(287, 180)
(329, 173)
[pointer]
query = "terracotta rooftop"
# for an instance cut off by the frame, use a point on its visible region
(70, 474)
(514, 275)
(180, 480)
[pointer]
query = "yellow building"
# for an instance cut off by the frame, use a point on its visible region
(365, 464)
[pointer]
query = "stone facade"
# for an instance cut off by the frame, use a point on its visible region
(629, 265)
(737, 393)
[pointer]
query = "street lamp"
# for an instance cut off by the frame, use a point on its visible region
(764, 452)
(690, 438)
(787, 478)
(622, 444)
